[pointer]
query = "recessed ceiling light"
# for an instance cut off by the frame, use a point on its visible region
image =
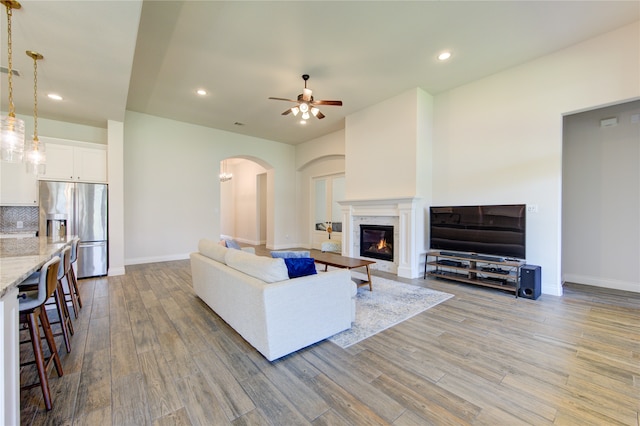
(201, 92)
(54, 96)
(444, 56)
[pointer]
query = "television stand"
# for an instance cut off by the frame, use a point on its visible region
(485, 271)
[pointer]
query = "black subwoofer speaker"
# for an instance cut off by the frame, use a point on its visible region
(530, 281)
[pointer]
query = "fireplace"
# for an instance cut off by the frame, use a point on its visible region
(376, 241)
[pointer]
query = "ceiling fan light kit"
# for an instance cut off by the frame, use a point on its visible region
(306, 104)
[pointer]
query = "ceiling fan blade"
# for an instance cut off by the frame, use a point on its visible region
(287, 112)
(306, 94)
(321, 102)
(282, 99)
(319, 115)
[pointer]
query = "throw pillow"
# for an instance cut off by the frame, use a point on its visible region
(284, 254)
(300, 266)
(263, 268)
(232, 244)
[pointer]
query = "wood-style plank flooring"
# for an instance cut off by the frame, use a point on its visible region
(147, 351)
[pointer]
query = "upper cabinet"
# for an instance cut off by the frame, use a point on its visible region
(75, 161)
(17, 187)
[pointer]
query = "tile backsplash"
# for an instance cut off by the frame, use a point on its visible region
(10, 216)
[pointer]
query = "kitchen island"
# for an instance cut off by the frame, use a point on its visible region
(19, 258)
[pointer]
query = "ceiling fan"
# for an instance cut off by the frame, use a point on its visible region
(306, 104)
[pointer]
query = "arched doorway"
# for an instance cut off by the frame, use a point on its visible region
(244, 200)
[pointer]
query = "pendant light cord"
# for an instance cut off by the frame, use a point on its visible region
(35, 98)
(12, 112)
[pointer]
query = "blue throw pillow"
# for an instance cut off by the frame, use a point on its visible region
(232, 244)
(300, 266)
(290, 253)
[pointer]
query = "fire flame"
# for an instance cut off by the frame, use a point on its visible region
(382, 244)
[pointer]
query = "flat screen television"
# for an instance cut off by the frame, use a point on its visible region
(497, 230)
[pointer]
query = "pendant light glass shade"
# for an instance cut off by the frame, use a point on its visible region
(35, 157)
(12, 137)
(11, 128)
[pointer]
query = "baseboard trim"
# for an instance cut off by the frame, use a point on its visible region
(116, 271)
(602, 282)
(155, 259)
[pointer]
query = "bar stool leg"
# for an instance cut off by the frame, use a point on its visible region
(34, 332)
(48, 335)
(74, 296)
(63, 314)
(74, 281)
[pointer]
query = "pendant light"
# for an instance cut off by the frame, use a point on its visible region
(224, 175)
(11, 127)
(34, 151)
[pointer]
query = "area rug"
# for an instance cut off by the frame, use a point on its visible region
(390, 303)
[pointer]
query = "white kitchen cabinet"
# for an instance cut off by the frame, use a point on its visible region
(78, 162)
(90, 164)
(17, 187)
(60, 161)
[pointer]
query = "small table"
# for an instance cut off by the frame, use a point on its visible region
(333, 259)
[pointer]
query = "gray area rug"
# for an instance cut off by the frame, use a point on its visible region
(390, 303)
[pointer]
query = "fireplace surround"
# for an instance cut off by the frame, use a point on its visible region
(406, 215)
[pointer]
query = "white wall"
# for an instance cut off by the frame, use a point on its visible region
(323, 147)
(601, 198)
(115, 176)
(499, 139)
(64, 130)
(381, 148)
(172, 188)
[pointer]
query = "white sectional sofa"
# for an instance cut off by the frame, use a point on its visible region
(275, 314)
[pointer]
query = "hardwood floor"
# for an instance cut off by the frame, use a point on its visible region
(146, 350)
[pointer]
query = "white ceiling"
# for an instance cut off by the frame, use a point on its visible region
(105, 57)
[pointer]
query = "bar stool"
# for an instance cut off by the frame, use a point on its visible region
(61, 303)
(69, 292)
(72, 272)
(64, 319)
(31, 308)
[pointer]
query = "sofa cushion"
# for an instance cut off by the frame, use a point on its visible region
(300, 266)
(212, 250)
(263, 268)
(290, 253)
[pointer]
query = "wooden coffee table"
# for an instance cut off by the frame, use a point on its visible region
(333, 259)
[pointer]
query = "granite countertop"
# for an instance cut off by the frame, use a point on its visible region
(20, 257)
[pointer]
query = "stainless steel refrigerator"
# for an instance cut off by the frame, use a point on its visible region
(77, 209)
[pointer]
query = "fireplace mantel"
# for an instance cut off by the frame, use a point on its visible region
(408, 210)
